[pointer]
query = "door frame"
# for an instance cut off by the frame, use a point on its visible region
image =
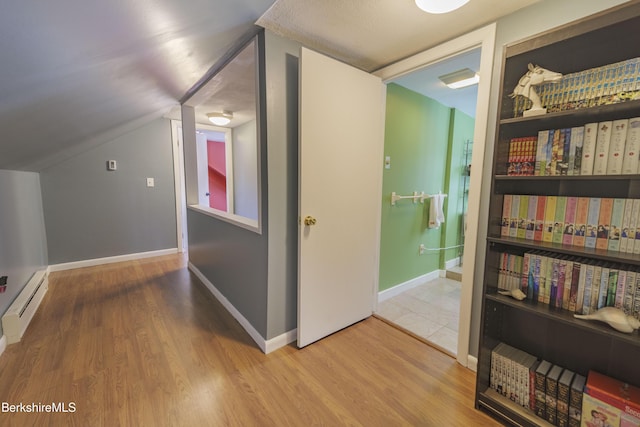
(485, 39)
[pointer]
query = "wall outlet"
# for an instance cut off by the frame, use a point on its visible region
(151, 182)
(421, 249)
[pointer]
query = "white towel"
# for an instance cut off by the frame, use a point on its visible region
(436, 215)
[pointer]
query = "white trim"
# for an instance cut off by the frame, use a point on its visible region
(452, 263)
(178, 179)
(237, 220)
(280, 341)
(111, 259)
(3, 344)
(255, 335)
(409, 284)
(484, 38)
(472, 363)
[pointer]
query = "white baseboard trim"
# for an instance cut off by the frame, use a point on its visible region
(3, 344)
(265, 346)
(111, 259)
(472, 363)
(452, 263)
(281, 340)
(409, 284)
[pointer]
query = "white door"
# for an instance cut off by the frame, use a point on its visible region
(341, 150)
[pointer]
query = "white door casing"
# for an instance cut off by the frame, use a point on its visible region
(340, 183)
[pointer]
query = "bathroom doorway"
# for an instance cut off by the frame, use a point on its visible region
(483, 40)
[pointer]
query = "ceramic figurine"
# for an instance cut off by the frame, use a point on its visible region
(534, 77)
(614, 317)
(514, 293)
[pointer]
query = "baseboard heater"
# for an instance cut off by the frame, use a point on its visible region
(20, 313)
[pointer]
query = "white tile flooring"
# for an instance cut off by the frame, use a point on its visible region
(430, 311)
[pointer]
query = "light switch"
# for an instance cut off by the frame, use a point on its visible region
(150, 182)
(111, 165)
(387, 162)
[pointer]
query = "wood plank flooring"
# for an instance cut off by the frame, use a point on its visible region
(143, 343)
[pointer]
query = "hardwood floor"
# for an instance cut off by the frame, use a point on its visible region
(143, 343)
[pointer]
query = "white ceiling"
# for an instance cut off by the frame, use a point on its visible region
(77, 73)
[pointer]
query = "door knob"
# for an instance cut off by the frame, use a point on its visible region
(309, 220)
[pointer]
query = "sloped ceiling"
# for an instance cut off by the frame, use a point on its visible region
(76, 73)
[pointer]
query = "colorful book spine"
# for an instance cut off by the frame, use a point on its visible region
(615, 225)
(589, 148)
(531, 217)
(522, 216)
(541, 161)
(575, 159)
(533, 292)
(557, 149)
(573, 292)
(566, 152)
(550, 283)
(580, 229)
(634, 225)
(582, 278)
(626, 225)
(566, 284)
(601, 298)
(569, 221)
(549, 217)
(548, 154)
(592, 304)
(630, 161)
(629, 291)
(604, 223)
(603, 141)
(506, 215)
(592, 222)
(620, 289)
(586, 293)
(617, 146)
(515, 211)
(539, 224)
(526, 266)
(558, 224)
(613, 285)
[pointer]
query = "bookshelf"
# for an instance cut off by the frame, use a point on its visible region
(542, 330)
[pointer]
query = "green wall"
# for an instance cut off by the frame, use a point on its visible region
(421, 136)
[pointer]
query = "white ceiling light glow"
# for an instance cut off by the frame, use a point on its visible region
(440, 6)
(461, 78)
(220, 119)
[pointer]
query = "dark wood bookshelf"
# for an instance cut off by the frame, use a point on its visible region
(544, 331)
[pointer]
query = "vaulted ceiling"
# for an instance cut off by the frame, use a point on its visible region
(77, 73)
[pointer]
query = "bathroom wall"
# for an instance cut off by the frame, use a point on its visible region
(421, 136)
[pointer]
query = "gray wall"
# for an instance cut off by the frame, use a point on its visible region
(245, 170)
(527, 22)
(282, 128)
(93, 213)
(23, 245)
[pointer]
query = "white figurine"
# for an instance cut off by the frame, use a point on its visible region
(614, 317)
(514, 293)
(534, 77)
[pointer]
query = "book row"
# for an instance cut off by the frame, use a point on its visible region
(549, 391)
(593, 222)
(574, 284)
(604, 148)
(559, 395)
(608, 84)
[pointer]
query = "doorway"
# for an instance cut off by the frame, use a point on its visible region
(483, 39)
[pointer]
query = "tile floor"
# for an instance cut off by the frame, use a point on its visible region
(430, 311)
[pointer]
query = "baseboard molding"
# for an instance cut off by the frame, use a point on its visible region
(3, 344)
(281, 341)
(472, 363)
(111, 259)
(452, 263)
(265, 346)
(403, 287)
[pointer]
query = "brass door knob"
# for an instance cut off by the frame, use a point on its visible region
(309, 220)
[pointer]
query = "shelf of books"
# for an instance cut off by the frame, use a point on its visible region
(564, 231)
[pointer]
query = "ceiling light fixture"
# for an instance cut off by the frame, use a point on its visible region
(440, 6)
(461, 78)
(220, 119)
